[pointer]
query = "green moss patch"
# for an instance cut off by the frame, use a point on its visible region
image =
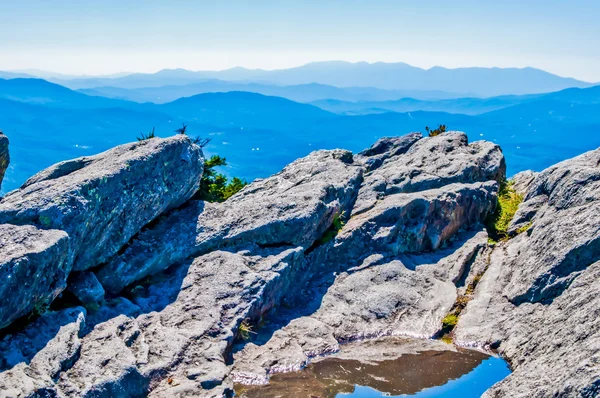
(508, 203)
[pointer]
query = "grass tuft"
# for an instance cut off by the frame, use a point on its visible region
(450, 321)
(508, 203)
(245, 330)
(331, 232)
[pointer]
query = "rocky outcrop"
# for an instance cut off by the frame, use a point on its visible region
(416, 165)
(4, 156)
(291, 208)
(332, 249)
(103, 200)
(538, 301)
(78, 214)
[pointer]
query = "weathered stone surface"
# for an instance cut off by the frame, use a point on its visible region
(30, 361)
(102, 201)
(523, 180)
(386, 148)
(539, 299)
(430, 163)
(408, 296)
(293, 207)
(4, 156)
(214, 272)
(34, 266)
(416, 222)
(178, 329)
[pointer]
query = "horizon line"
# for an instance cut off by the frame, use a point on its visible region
(118, 75)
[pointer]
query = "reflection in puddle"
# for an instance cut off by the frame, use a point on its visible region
(463, 373)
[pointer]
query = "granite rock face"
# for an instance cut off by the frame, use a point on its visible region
(538, 301)
(102, 201)
(522, 181)
(4, 156)
(332, 249)
(293, 207)
(34, 266)
(79, 213)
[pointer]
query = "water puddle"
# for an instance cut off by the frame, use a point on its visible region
(434, 373)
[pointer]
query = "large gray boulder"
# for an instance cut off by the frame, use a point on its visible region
(102, 201)
(4, 156)
(34, 265)
(415, 165)
(293, 207)
(538, 301)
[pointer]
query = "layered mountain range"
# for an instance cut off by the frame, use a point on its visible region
(259, 134)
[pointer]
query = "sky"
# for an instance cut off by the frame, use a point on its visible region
(112, 36)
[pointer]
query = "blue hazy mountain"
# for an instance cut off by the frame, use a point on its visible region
(41, 92)
(484, 82)
(467, 106)
(260, 134)
(299, 93)
(474, 106)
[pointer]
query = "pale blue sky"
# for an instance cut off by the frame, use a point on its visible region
(110, 36)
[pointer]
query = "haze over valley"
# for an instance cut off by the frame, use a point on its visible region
(262, 120)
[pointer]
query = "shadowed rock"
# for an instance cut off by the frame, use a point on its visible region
(36, 357)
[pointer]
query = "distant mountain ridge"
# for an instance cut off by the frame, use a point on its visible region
(299, 93)
(476, 81)
(259, 134)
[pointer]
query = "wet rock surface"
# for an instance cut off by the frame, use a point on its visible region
(334, 248)
(392, 366)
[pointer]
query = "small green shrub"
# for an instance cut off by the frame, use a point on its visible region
(144, 137)
(508, 203)
(182, 129)
(471, 287)
(214, 186)
(447, 338)
(432, 133)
